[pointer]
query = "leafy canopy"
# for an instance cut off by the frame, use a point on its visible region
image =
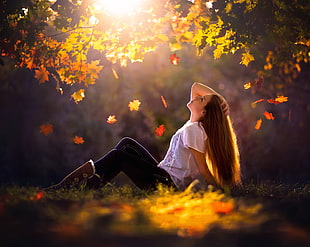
(57, 39)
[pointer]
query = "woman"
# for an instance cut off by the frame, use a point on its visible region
(205, 148)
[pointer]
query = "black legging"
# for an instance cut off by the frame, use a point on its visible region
(135, 161)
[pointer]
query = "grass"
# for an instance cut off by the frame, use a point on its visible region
(265, 214)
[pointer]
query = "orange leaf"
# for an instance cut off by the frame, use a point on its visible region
(46, 129)
(111, 119)
(94, 68)
(257, 101)
(78, 95)
(174, 59)
(268, 115)
(78, 140)
(39, 195)
(164, 101)
(258, 124)
(160, 130)
(115, 74)
(222, 207)
(134, 105)
(272, 101)
(42, 74)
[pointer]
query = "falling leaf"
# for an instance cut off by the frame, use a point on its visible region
(39, 195)
(247, 57)
(253, 104)
(258, 124)
(268, 115)
(272, 101)
(281, 99)
(42, 74)
(78, 140)
(222, 207)
(174, 59)
(78, 95)
(278, 100)
(247, 85)
(258, 83)
(134, 105)
(111, 119)
(115, 74)
(94, 68)
(258, 101)
(160, 130)
(217, 53)
(164, 101)
(46, 129)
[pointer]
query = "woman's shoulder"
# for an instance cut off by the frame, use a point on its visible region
(193, 131)
(191, 126)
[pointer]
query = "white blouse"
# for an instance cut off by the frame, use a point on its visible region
(179, 161)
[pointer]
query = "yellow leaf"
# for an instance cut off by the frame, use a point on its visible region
(163, 37)
(228, 8)
(247, 57)
(78, 95)
(134, 105)
(217, 53)
(281, 99)
(174, 46)
(247, 85)
(111, 119)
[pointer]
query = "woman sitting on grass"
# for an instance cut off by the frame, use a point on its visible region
(205, 148)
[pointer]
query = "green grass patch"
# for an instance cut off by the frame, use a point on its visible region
(119, 213)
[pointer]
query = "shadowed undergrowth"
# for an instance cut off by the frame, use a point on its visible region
(269, 213)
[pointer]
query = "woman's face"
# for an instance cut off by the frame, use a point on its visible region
(198, 103)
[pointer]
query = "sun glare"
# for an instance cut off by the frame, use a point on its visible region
(118, 7)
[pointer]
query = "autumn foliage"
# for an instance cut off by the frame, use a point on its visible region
(67, 42)
(55, 39)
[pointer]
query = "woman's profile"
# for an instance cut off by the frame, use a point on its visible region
(204, 148)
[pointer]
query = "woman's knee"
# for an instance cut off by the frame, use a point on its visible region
(114, 152)
(112, 155)
(124, 142)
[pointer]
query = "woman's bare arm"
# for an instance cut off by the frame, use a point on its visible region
(199, 89)
(200, 159)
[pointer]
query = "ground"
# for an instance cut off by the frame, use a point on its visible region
(265, 214)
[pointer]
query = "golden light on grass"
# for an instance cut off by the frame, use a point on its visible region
(193, 214)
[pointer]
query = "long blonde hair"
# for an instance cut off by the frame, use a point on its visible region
(222, 153)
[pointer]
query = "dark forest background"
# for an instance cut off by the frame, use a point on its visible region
(279, 151)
